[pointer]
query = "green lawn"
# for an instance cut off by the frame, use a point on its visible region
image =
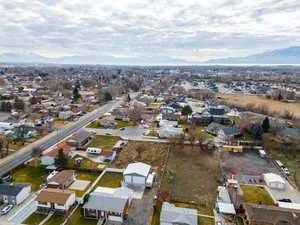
(77, 219)
(30, 174)
(153, 133)
(34, 219)
(55, 220)
(111, 180)
(119, 124)
(256, 195)
(85, 163)
(104, 142)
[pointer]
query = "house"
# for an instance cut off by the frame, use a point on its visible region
(79, 139)
(136, 174)
(224, 204)
(48, 158)
(107, 123)
(165, 132)
(171, 215)
(56, 200)
(65, 115)
(14, 194)
(109, 203)
(274, 181)
(96, 151)
(270, 215)
(108, 156)
(222, 131)
(61, 180)
(168, 123)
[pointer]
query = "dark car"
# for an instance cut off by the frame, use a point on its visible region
(285, 200)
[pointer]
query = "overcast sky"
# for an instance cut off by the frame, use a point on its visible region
(193, 30)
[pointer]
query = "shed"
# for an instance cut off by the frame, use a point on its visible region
(136, 174)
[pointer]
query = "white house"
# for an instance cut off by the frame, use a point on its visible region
(136, 174)
(165, 132)
(57, 200)
(96, 151)
(274, 181)
(65, 115)
(48, 158)
(14, 194)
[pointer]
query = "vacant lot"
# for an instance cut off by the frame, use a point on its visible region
(192, 177)
(243, 100)
(147, 152)
(256, 195)
(104, 142)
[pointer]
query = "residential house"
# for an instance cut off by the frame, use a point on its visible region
(61, 180)
(108, 203)
(136, 174)
(259, 214)
(274, 181)
(223, 132)
(49, 157)
(165, 132)
(65, 115)
(14, 194)
(55, 200)
(172, 215)
(79, 139)
(108, 156)
(223, 203)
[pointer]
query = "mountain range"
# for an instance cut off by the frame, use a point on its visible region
(280, 56)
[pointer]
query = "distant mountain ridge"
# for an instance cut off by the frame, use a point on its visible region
(280, 56)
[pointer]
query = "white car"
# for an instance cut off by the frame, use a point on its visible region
(6, 209)
(286, 171)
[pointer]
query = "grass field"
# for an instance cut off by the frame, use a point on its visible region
(77, 219)
(192, 176)
(104, 142)
(34, 219)
(243, 100)
(85, 163)
(110, 180)
(119, 124)
(153, 133)
(30, 174)
(152, 154)
(256, 195)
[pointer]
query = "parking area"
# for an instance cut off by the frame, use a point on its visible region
(248, 165)
(141, 209)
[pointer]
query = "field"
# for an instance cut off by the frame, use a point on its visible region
(256, 195)
(280, 107)
(110, 180)
(192, 178)
(150, 153)
(104, 142)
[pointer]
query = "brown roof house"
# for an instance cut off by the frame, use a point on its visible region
(61, 180)
(270, 215)
(55, 200)
(79, 139)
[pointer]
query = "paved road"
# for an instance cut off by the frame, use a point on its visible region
(130, 133)
(24, 154)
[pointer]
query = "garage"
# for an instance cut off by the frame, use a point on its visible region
(274, 181)
(136, 174)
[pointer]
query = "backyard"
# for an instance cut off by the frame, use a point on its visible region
(85, 163)
(149, 152)
(34, 219)
(110, 180)
(256, 195)
(30, 174)
(103, 142)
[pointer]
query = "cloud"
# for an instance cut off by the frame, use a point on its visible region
(192, 30)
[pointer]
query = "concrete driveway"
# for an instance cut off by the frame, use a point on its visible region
(289, 192)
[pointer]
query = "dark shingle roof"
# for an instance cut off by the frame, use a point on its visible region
(11, 189)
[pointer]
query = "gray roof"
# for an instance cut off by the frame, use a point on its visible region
(231, 131)
(290, 132)
(11, 189)
(176, 215)
(105, 202)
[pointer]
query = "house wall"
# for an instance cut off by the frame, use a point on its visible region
(23, 195)
(135, 180)
(46, 160)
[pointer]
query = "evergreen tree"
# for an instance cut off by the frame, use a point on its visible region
(128, 98)
(186, 110)
(61, 160)
(76, 94)
(266, 124)
(107, 96)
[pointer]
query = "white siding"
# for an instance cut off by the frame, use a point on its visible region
(128, 179)
(46, 160)
(138, 180)
(23, 195)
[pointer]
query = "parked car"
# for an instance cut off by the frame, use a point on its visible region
(285, 200)
(108, 133)
(286, 171)
(6, 209)
(123, 128)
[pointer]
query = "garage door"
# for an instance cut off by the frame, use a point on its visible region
(138, 180)
(128, 179)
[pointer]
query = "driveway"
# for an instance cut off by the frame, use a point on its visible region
(289, 192)
(140, 210)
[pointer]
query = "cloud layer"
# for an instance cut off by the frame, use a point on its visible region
(191, 30)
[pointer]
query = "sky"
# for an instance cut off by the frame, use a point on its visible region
(193, 30)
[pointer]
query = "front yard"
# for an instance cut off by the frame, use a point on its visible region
(30, 174)
(78, 219)
(103, 142)
(256, 195)
(110, 180)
